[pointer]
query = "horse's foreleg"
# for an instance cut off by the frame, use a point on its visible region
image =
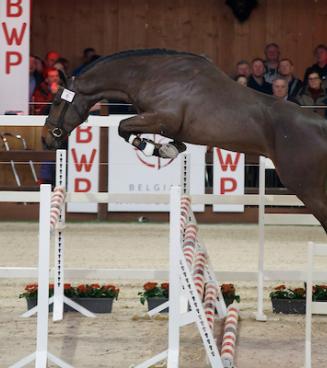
(153, 123)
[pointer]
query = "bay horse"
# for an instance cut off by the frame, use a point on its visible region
(185, 97)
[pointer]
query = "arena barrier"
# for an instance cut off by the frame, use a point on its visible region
(192, 283)
(41, 356)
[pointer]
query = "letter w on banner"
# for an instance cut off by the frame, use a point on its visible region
(228, 177)
(83, 165)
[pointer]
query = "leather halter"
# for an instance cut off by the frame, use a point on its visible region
(58, 131)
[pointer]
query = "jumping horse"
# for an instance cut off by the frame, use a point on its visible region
(185, 97)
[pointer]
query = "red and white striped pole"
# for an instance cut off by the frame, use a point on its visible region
(57, 199)
(189, 244)
(198, 272)
(229, 338)
(185, 209)
(210, 298)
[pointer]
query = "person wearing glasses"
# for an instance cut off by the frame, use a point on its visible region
(313, 94)
(320, 67)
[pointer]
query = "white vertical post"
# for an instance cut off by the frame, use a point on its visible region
(58, 301)
(185, 172)
(308, 313)
(43, 277)
(174, 281)
(260, 316)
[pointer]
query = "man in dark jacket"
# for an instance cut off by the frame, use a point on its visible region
(257, 80)
(285, 70)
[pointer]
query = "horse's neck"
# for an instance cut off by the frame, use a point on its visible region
(109, 81)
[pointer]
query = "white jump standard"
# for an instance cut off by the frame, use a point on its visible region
(191, 278)
(41, 355)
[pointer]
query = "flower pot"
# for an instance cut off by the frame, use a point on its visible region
(155, 302)
(95, 305)
(288, 306)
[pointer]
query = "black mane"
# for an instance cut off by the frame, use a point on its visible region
(137, 52)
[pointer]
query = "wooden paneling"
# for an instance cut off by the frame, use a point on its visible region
(206, 27)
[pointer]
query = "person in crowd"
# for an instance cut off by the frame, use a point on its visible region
(243, 68)
(46, 91)
(62, 65)
(320, 66)
(89, 55)
(285, 70)
(272, 53)
(39, 65)
(257, 80)
(279, 88)
(35, 78)
(50, 58)
(313, 94)
(241, 79)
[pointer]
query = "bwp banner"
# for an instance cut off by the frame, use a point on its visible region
(14, 55)
(228, 177)
(83, 165)
(132, 172)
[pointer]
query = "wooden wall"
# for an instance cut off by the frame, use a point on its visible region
(200, 26)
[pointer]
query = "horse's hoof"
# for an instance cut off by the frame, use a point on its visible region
(168, 151)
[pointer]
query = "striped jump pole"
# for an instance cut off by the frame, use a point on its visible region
(57, 200)
(210, 299)
(189, 244)
(229, 338)
(199, 272)
(185, 210)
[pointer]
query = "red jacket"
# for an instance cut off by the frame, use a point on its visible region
(42, 94)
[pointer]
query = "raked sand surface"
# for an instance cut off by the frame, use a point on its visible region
(126, 336)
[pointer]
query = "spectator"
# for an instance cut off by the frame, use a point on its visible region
(320, 66)
(39, 64)
(46, 91)
(89, 56)
(257, 80)
(51, 58)
(313, 94)
(285, 70)
(35, 78)
(243, 68)
(62, 65)
(241, 79)
(280, 90)
(272, 53)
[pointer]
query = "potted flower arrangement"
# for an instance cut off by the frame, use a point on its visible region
(155, 295)
(229, 294)
(94, 297)
(288, 301)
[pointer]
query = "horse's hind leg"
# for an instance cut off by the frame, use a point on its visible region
(154, 123)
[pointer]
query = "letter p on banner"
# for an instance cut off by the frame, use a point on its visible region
(228, 178)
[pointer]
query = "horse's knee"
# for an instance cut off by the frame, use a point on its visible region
(122, 131)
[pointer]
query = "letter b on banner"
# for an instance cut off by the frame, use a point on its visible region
(228, 177)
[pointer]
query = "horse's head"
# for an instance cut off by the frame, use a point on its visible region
(68, 110)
